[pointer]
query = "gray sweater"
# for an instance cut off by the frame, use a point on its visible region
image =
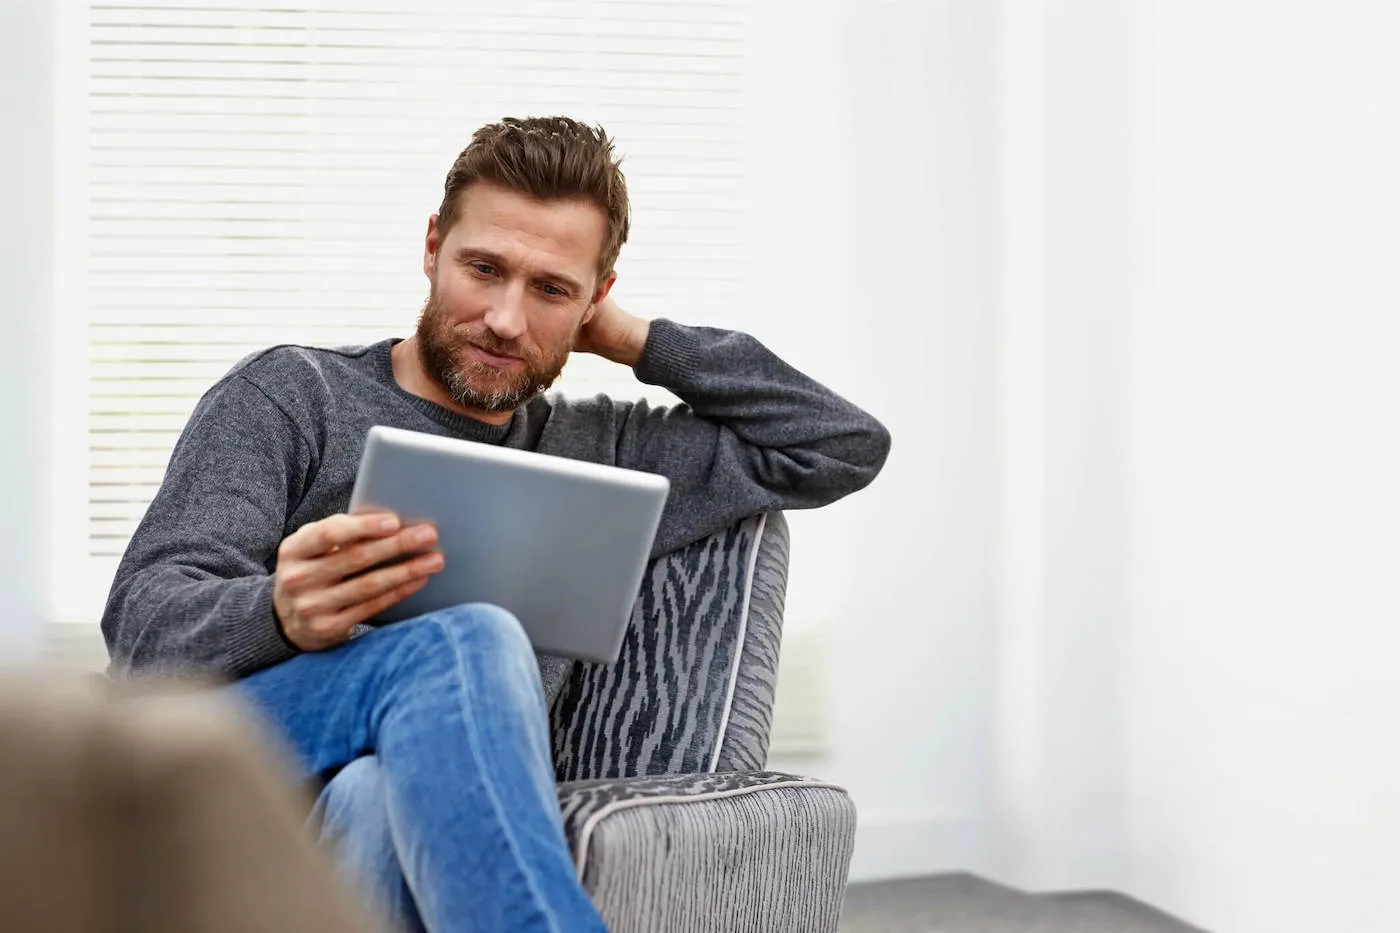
(276, 444)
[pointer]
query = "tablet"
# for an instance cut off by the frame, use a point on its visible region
(561, 544)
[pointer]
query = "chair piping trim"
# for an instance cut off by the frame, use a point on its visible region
(739, 643)
(585, 835)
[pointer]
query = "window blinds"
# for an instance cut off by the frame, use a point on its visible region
(260, 172)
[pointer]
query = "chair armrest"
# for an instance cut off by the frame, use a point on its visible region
(728, 852)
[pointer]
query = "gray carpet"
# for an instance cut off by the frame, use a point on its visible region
(968, 904)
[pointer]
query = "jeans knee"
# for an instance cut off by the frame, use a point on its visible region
(474, 631)
(486, 627)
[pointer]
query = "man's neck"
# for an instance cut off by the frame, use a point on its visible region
(413, 378)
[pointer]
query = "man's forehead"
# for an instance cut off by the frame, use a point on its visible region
(572, 229)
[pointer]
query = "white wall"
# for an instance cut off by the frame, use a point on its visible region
(1200, 520)
(1263, 750)
(915, 648)
(1119, 612)
(25, 286)
(873, 272)
(1063, 102)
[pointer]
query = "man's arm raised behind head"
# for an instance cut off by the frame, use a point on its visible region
(753, 435)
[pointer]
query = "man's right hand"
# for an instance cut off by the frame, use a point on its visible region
(316, 604)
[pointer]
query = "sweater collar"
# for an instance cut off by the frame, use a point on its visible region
(459, 424)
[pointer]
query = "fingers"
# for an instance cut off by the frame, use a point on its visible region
(359, 557)
(317, 539)
(320, 633)
(348, 618)
(306, 575)
(373, 587)
(323, 585)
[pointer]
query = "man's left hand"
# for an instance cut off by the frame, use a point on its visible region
(614, 334)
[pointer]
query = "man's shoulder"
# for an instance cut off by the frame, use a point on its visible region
(276, 367)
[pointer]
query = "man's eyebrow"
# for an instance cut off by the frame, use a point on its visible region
(496, 259)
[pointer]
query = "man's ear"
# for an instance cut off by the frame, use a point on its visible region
(600, 293)
(431, 243)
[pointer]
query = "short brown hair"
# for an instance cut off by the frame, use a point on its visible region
(547, 158)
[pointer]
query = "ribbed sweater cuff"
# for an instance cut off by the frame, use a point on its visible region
(671, 355)
(257, 641)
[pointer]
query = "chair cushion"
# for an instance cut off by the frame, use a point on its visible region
(586, 803)
(729, 852)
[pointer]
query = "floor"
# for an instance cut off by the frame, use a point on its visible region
(968, 904)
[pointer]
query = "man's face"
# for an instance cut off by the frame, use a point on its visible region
(512, 283)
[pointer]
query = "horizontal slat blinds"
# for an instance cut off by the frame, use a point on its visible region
(261, 172)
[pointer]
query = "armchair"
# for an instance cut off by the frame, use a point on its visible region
(673, 823)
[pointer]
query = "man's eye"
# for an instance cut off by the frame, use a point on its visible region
(553, 291)
(484, 268)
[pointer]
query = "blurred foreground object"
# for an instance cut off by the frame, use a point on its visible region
(160, 811)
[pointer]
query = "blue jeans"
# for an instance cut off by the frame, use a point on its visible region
(453, 823)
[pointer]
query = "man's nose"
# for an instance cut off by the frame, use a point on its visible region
(506, 316)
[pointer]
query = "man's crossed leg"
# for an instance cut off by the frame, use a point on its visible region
(454, 822)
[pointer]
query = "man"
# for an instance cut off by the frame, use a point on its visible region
(434, 730)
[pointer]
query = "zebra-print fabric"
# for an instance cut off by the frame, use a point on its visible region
(745, 740)
(665, 706)
(746, 852)
(581, 802)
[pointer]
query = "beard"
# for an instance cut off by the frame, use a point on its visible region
(444, 352)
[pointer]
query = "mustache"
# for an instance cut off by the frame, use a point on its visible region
(488, 341)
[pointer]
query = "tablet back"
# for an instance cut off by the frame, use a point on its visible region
(561, 544)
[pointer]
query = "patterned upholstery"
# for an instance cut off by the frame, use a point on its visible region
(744, 745)
(585, 804)
(671, 824)
(692, 690)
(728, 852)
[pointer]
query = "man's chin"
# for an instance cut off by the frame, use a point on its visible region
(484, 396)
(489, 389)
